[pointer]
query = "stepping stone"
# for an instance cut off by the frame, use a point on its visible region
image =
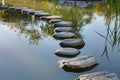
(55, 21)
(40, 14)
(4, 7)
(67, 52)
(19, 9)
(25, 11)
(32, 12)
(63, 29)
(74, 43)
(104, 75)
(64, 24)
(78, 64)
(51, 17)
(64, 35)
(12, 8)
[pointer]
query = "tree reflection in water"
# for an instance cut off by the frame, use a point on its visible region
(34, 30)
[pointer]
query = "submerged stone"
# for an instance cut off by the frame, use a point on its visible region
(104, 75)
(63, 29)
(74, 43)
(78, 64)
(40, 14)
(64, 35)
(51, 17)
(67, 52)
(64, 24)
(55, 21)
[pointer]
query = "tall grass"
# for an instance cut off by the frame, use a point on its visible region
(112, 36)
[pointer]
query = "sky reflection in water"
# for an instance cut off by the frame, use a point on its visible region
(25, 57)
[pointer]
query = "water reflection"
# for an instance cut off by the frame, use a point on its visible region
(72, 3)
(112, 37)
(24, 25)
(35, 30)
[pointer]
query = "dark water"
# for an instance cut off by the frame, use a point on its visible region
(27, 47)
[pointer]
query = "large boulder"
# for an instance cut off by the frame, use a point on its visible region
(64, 24)
(78, 64)
(64, 35)
(74, 43)
(63, 29)
(67, 52)
(104, 75)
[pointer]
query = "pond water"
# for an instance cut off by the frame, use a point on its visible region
(27, 46)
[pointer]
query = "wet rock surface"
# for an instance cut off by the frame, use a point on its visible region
(64, 35)
(63, 29)
(99, 76)
(75, 43)
(64, 24)
(67, 52)
(55, 21)
(78, 64)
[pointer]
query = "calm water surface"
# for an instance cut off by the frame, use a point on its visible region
(27, 47)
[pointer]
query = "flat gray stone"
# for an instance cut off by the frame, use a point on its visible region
(19, 9)
(74, 43)
(67, 52)
(4, 7)
(104, 75)
(40, 14)
(12, 8)
(64, 35)
(51, 17)
(32, 12)
(63, 29)
(81, 63)
(26, 11)
(55, 21)
(64, 24)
